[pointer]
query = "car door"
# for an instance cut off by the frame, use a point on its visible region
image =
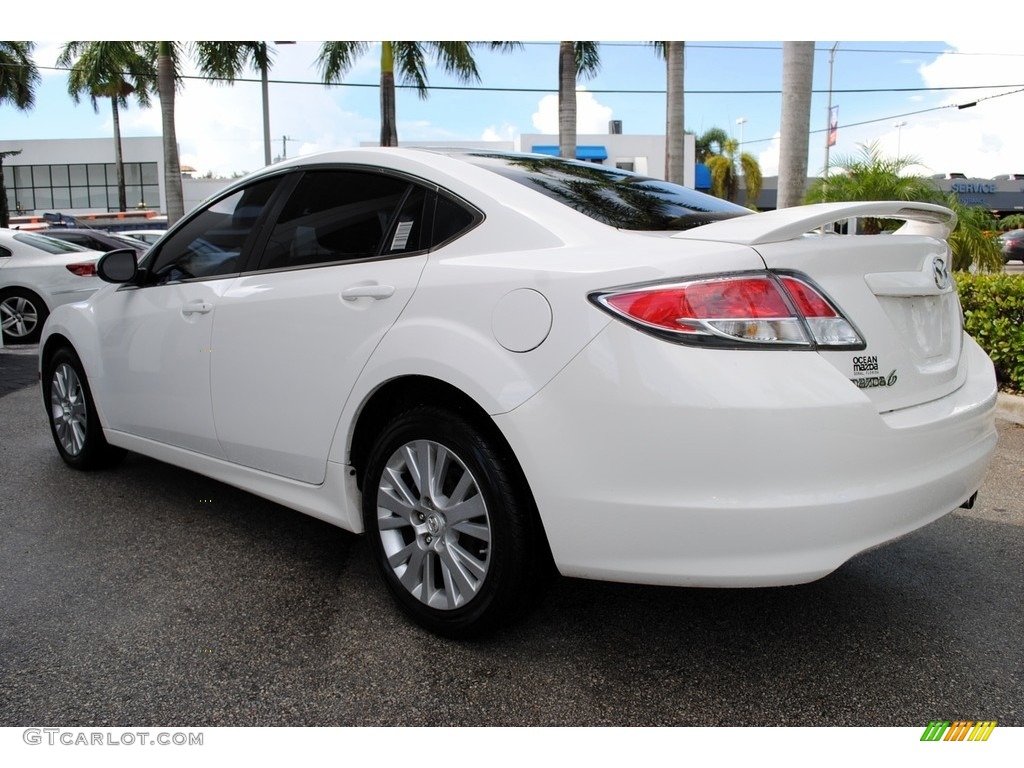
(339, 265)
(156, 337)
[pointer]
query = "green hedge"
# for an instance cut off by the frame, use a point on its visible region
(994, 310)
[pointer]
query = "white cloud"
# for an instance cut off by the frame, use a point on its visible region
(591, 116)
(983, 140)
(768, 159)
(220, 126)
(504, 132)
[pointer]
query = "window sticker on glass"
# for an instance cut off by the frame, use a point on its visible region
(401, 235)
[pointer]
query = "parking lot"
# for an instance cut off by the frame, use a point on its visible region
(149, 596)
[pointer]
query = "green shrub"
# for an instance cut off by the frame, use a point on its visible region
(994, 311)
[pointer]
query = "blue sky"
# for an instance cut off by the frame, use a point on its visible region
(219, 127)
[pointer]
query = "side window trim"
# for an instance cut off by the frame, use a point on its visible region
(268, 220)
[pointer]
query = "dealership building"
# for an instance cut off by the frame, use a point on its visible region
(78, 176)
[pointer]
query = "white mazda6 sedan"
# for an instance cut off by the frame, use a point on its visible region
(491, 362)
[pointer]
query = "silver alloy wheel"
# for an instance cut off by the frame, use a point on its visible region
(18, 316)
(433, 524)
(68, 409)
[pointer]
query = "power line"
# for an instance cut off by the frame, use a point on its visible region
(623, 91)
(901, 114)
(778, 47)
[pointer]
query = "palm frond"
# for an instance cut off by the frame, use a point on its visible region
(337, 57)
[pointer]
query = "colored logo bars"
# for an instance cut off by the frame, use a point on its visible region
(960, 730)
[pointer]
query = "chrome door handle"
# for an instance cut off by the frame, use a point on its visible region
(374, 291)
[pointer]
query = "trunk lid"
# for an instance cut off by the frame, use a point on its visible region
(896, 289)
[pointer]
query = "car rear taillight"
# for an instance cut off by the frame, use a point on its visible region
(85, 269)
(764, 308)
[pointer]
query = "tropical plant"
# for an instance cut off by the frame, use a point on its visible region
(722, 157)
(710, 143)
(19, 78)
(112, 69)
(19, 75)
(1013, 221)
(675, 135)
(408, 60)
(870, 175)
(974, 244)
(576, 59)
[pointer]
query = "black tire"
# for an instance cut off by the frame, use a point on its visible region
(457, 577)
(74, 424)
(22, 314)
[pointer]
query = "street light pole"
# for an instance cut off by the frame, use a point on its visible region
(265, 82)
(740, 121)
(899, 135)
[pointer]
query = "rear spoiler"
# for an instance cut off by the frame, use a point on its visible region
(789, 223)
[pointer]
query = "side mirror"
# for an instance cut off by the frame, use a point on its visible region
(119, 266)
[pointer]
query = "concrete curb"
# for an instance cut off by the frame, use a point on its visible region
(1010, 408)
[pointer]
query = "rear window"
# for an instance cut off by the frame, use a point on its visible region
(48, 244)
(622, 199)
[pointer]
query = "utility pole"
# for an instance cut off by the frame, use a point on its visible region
(828, 118)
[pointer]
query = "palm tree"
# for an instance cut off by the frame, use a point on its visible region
(797, 73)
(407, 59)
(974, 243)
(113, 69)
(675, 134)
(18, 80)
(870, 175)
(167, 55)
(710, 143)
(225, 60)
(721, 155)
(576, 59)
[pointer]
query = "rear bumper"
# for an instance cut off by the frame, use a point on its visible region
(658, 464)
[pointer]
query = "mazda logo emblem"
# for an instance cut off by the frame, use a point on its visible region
(941, 273)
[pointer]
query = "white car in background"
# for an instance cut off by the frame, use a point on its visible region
(490, 362)
(37, 274)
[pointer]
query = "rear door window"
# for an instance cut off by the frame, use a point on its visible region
(345, 215)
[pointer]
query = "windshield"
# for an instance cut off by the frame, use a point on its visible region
(622, 199)
(48, 244)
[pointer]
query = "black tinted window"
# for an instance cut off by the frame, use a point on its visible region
(212, 243)
(338, 216)
(620, 198)
(450, 219)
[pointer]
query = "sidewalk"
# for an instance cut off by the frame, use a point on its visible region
(1010, 408)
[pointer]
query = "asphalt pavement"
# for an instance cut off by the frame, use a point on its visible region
(150, 596)
(18, 368)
